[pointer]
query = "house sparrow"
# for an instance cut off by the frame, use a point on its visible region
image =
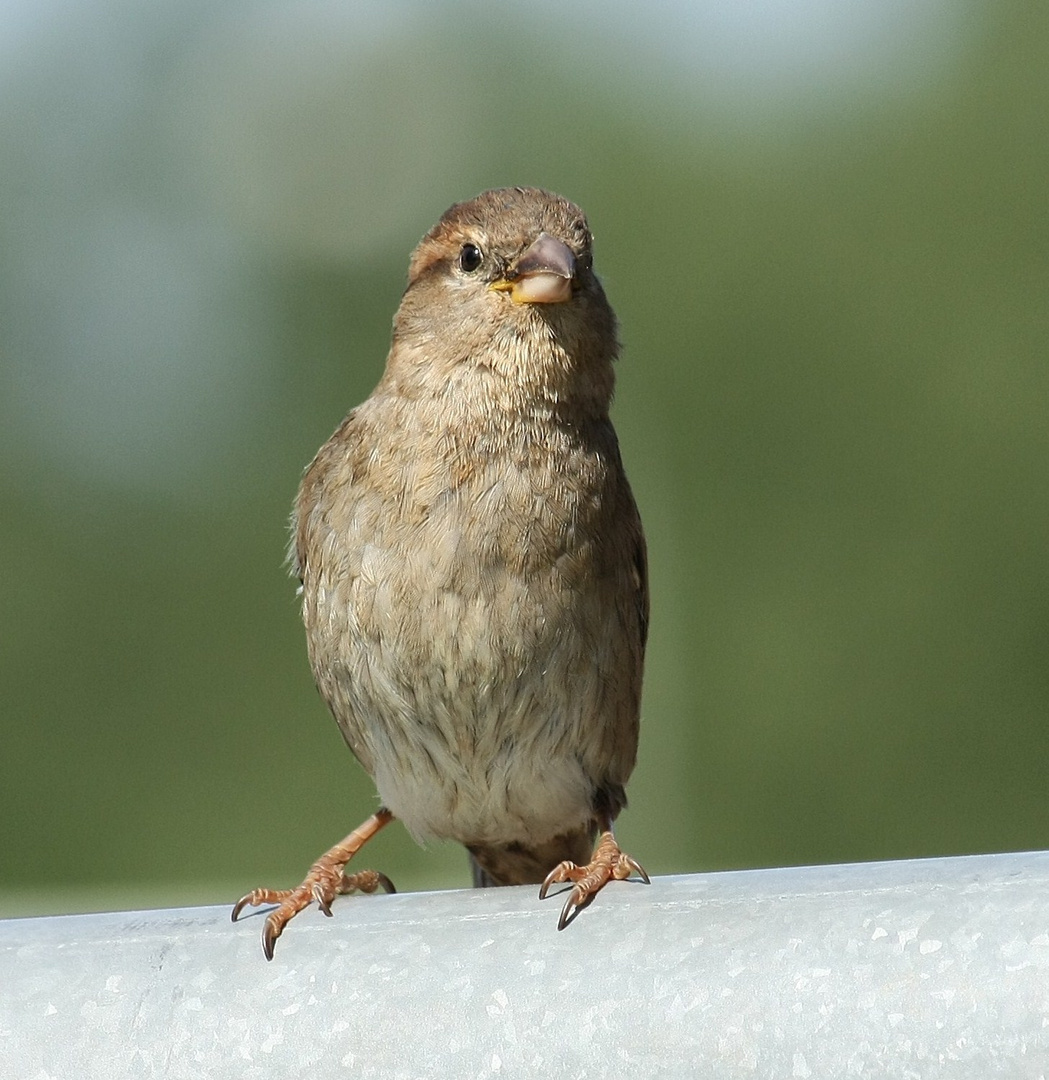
(473, 569)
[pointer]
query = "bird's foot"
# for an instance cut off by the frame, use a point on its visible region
(325, 880)
(609, 863)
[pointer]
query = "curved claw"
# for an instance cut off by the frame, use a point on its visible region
(270, 932)
(564, 871)
(638, 869)
(385, 882)
(321, 898)
(574, 904)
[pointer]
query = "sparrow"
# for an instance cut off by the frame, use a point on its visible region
(473, 568)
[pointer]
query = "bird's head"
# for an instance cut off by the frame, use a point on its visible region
(504, 283)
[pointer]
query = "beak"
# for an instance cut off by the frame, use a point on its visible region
(543, 274)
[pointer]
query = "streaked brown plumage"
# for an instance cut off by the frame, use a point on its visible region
(473, 566)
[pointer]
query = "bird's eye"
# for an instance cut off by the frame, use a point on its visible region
(470, 258)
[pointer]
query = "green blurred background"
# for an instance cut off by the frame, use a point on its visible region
(825, 228)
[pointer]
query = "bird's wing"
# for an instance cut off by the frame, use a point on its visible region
(641, 594)
(315, 479)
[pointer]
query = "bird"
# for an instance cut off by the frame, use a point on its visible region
(473, 569)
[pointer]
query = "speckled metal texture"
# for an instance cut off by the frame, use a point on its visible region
(935, 968)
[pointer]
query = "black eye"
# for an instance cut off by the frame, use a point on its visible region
(470, 258)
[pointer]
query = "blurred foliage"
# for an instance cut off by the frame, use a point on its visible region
(832, 405)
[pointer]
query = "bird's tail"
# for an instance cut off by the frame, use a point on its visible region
(526, 863)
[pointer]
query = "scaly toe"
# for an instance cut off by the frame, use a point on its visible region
(365, 881)
(257, 897)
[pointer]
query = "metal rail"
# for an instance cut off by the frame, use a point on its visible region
(932, 968)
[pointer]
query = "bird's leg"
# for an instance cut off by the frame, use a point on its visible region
(325, 880)
(609, 862)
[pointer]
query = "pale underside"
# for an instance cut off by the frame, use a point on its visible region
(488, 677)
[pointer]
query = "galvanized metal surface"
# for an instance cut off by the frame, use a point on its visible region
(935, 968)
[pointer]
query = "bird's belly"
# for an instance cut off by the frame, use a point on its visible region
(479, 713)
(481, 794)
(505, 703)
